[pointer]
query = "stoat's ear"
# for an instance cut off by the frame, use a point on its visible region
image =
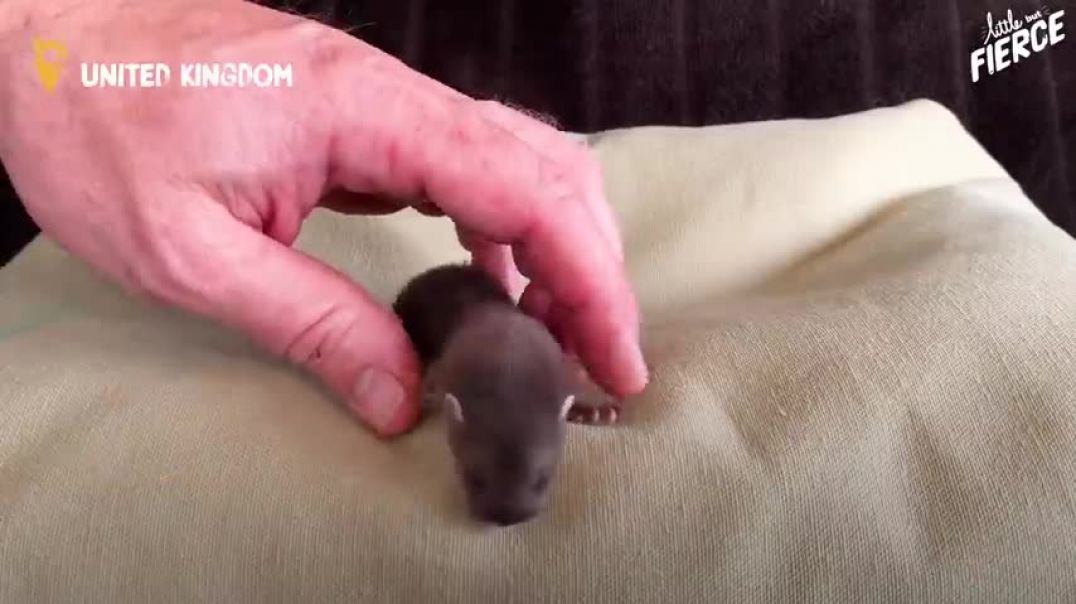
(452, 404)
(566, 406)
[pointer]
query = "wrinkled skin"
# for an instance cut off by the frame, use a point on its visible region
(193, 197)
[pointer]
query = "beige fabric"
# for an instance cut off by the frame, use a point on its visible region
(864, 389)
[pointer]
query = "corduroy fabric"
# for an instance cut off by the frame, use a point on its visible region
(861, 336)
(597, 65)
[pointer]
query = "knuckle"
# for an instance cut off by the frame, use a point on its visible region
(559, 181)
(328, 49)
(320, 336)
(336, 54)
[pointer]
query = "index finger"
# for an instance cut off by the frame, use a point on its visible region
(542, 138)
(398, 136)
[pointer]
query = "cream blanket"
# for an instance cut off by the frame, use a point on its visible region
(862, 338)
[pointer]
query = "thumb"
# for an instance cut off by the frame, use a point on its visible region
(292, 304)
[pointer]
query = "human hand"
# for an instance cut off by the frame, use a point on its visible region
(193, 196)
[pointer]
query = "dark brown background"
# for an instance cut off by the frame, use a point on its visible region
(597, 64)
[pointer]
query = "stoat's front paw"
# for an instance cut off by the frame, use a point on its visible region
(592, 404)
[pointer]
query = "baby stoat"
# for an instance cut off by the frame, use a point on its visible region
(506, 384)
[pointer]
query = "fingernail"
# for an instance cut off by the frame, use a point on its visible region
(630, 357)
(535, 301)
(378, 398)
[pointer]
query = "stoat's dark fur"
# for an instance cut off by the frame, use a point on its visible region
(506, 382)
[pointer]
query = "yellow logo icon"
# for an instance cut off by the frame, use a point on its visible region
(48, 68)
